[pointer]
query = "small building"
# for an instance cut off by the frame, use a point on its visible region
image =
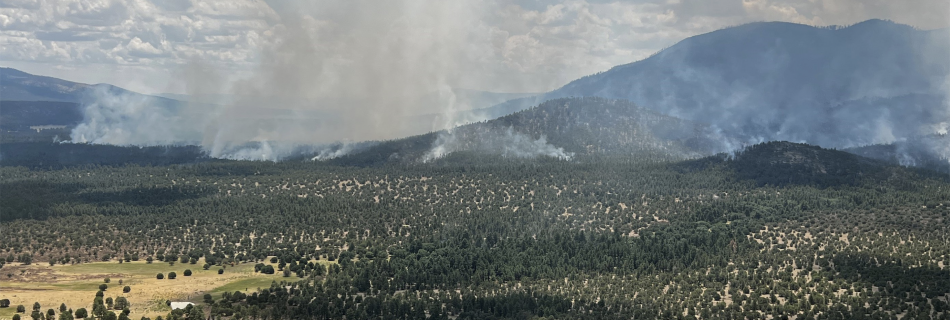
(180, 305)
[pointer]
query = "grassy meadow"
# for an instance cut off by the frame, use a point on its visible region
(76, 285)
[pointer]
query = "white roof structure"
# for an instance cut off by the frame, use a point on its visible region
(181, 305)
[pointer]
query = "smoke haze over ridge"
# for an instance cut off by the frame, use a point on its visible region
(316, 83)
(324, 72)
(870, 83)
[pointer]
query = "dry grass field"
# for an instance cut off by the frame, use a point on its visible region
(76, 285)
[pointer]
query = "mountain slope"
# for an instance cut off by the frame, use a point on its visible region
(16, 85)
(872, 82)
(40, 108)
(598, 126)
(28, 100)
(560, 128)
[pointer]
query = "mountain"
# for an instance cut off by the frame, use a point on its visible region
(16, 85)
(871, 82)
(560, 128)
(781, 163)
(37, 108)
(839, 87)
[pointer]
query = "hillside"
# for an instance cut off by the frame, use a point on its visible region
(40, 108)
(16, 85)
(835, 87)
(560, 128)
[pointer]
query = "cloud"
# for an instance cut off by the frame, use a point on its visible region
(172, 5)
(131, 33)
(20, 4)
(776, 11)
(522, 45)
(139, 48)
(100, 13)
(67, 36)
(423, 47)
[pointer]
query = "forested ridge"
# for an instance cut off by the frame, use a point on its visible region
(587, 126)
(780, 229)
(577, 126)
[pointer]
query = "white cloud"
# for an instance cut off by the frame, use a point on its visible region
(235, 10)
(142, 49)
(521, 45)
(776, 11)
(135, 32)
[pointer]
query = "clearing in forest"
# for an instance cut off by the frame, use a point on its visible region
(76, 285)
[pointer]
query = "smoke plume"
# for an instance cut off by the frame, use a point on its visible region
(508, 143)
(369, 73)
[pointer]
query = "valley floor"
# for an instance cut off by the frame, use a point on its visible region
(501, 240)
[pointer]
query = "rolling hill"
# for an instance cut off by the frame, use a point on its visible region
(780, 163)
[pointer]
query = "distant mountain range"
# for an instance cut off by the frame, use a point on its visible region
(867, 84)
(38, 108)
(32, 100)
(859, 87)
(16, 85)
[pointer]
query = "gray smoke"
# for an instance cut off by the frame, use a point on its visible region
(507, 143)
(370, 73)
(874, 82)
(124, 118)
(380, 71)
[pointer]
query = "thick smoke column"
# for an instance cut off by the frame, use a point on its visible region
(353, 71)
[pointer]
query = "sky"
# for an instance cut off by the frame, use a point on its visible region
(326, 49)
